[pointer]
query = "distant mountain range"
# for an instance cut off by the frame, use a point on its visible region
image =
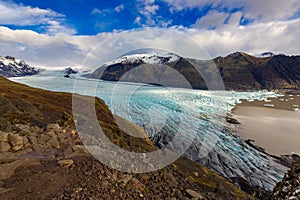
(12, 67)
(239, 71)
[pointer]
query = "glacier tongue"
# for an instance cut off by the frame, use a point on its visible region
(162, 110)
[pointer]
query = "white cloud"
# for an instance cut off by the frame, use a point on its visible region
(56, 28)
(279, 37)
(96, 11)
(15, 14)
(20, 15)
(262, 11)
(119, 8)
(178, 5)
(137, 20)
(271, 9)
(213, 19)
(108, 11)
(46, 50)
(68, 50)
(148, 9)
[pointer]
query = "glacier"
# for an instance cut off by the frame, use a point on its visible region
(160, 110)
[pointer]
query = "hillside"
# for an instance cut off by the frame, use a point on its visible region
(242, 71)
(239, 71)
(42, 157)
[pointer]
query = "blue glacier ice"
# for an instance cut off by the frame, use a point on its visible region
(160, 111)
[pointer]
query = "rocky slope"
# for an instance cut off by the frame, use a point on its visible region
(239, 71)
(289, 187)
(12, 67)
(42, 157)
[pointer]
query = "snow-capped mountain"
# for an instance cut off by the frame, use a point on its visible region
(153, 58)
(156, 67)
(12, 67)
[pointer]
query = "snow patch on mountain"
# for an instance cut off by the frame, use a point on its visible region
(153, 59)
(12, 67)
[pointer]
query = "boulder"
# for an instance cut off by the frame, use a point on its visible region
(8, 169)
(193, 194)
(32, 139)
(232, 120)
(79, 148)
(51, 134)
(65, 163)
(23, 129)
(3, 137)
(17, 148)
(135, 184)
(16, 141)
(5, 125)
(4, 147)
(52, 127)
(4, 190)
(54, 143)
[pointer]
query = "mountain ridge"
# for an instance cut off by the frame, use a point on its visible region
(239, 71)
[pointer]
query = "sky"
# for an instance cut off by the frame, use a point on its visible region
(86, 33)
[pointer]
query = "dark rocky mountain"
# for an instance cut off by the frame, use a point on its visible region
(12, 67)
(239, 71)
(69, 71)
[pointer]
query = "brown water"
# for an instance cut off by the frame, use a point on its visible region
(277, 131)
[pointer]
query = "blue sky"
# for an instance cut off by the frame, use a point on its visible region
(35, 30)
(93, 16)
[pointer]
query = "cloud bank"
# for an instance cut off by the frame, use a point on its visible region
(68, 50)
(20, 15)
(229, 26)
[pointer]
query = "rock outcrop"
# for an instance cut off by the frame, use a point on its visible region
(69, 71)
(289, 187)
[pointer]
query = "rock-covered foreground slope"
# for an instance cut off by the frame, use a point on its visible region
(12, 67)
(289, 187)
(42, 157)
(239, 71)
